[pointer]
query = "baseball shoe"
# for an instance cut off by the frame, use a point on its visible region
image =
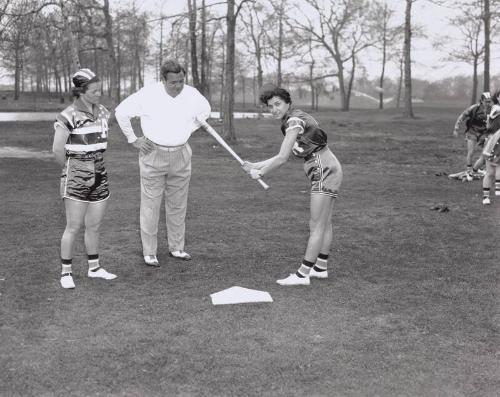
(180, 255)
(293, 279)
(486, 201)
(151, 260)
(481, 172)
(315, 274)
(67, 281)
(468, 177)
(101, 273)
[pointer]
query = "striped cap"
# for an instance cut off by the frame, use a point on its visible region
(84, 77)
(485, 96)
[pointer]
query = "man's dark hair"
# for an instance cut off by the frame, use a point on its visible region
(171, 66)
(270, 92)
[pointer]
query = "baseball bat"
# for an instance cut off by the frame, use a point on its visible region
(207, 127)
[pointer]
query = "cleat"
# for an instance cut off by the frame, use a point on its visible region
(101, 273)
(293, 279)
(481, 172)
(315, 274)
(180, 255)
(151, 260)
(67, 281)
(468, 177)
(497, 193)
(486, 201)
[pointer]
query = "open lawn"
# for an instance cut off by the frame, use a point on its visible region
(412, 306)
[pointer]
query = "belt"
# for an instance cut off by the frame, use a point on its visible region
(167, 148)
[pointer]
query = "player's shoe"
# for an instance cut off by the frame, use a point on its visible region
(151, 260)
(180, 255)
(486, 201)
(315, 274)
(481, 172)
(101, 273)
(293, 279)
(67, 281)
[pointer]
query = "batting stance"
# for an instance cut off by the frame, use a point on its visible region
(80, 139)
(305, 139)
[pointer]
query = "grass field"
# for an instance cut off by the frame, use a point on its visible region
(412, 306)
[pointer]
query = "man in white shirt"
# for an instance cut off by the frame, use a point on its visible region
(168, 111)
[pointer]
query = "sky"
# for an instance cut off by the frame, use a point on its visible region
(428, 62)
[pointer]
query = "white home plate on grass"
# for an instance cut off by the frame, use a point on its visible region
(237, 294)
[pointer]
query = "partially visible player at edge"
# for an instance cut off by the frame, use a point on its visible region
(491, 151)
(80, 139)
(475, 117)
(305, 139)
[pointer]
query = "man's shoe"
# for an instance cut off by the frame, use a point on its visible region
(180, 255)
(486, 201)
(315, 274)
(151, 260)
(67, 281)
(101, 273)
(293, 279)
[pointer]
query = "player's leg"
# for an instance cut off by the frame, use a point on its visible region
(320, 268)
(471, 146)
(93, 221)
(75, 215)
(153, 169)
(497, 179)
(176, 196)
(320, 209)
(488, 180)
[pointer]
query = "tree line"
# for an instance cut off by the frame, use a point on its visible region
(303, 42)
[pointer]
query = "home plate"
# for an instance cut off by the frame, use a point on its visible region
(237, 294)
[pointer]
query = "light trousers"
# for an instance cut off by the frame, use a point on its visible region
(164, 172)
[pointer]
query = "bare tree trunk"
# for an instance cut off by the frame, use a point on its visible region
(487, 41)
(192, 36)
(311, 83)
(400, 82)
(408, 111)
(75, 59)
(204, 58)
(280, 44)
(228, 127)
(474, 81)
(108, 34)
(384, 58)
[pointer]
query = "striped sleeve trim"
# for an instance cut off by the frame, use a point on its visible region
(87, 130)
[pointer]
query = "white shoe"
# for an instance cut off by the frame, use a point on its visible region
(486, 201)
(497, 193)
(293, 279)
(180, 255)
(315, 274)
(151, 260)
(101, 273)
(481, 172)
(67, 281)
(468, 177)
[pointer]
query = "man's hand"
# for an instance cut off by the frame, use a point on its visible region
(144, 145)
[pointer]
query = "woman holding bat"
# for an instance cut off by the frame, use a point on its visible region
(305, 139)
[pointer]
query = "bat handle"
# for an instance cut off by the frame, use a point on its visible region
(263, 184)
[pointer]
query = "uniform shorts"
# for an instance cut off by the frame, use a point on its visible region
(324, 172)
(84, 178)
(479, 137)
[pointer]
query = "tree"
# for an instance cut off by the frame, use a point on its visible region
(232, 13)
(344, 30)
(408, 110)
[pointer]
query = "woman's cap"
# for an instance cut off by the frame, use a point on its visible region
(84, 77)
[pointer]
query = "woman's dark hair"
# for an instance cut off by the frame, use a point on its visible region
(77, 91)
(171, 66)
(270, 92)
(495, 95)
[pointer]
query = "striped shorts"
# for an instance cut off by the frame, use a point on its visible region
(84, 178)
(324, 172)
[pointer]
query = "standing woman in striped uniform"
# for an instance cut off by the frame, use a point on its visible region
(80, 139)
(305, 139)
